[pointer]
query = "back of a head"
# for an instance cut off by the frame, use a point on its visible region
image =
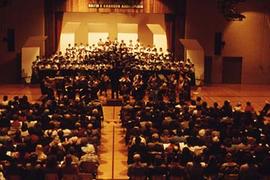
(33, 158)
(5, 98)
(137, 158)
(215, 104)
(137, 140)
(155, 137)
(228, 157)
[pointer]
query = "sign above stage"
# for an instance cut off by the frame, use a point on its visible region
(116, 4)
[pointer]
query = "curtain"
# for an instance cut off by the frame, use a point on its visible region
(179, 27)
(53, 13)
(170, 31)
(49, 27)
(179, 33)
(58, 28)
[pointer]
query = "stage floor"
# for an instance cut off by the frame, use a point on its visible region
(257, 94)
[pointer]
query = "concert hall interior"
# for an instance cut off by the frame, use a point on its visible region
(134, 89)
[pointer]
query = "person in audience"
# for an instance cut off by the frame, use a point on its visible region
(68, 167)
(13, 168)
(89, 154)
(227, 109)
(52, 166)
(158, 167)
(33, 169)
(89, 161)
(264, 167)
(72, 152)
(249, 108)
(249, 170)
(230, 166)
(137, 162)
(265, 109)
(137, 148)
(212, 168)
(165, 136)
(186, 156)
(4, 102)
(195, 169)
(41, 156)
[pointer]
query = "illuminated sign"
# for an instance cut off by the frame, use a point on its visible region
(117, 4)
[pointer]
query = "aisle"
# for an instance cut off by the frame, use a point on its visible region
(113, 152)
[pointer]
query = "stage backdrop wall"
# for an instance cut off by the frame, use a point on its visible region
(109, 24)
(174, 11)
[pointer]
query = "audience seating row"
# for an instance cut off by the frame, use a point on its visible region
(55, 138)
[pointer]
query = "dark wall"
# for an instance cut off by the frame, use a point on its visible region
(26, 19)
(249, 38)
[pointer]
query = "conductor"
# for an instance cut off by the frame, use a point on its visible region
(115, 74)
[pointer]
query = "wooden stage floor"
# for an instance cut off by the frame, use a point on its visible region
(257, 94)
